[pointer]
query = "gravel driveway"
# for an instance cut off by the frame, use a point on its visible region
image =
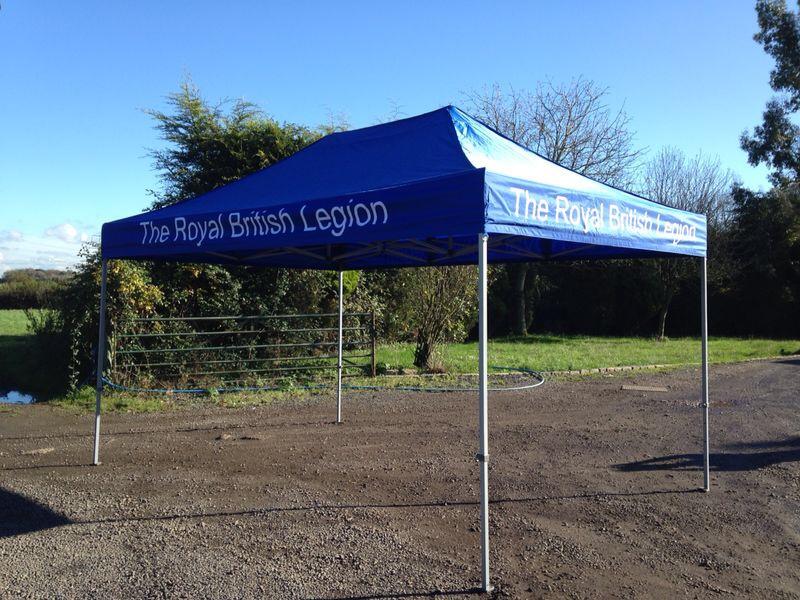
(594, 494)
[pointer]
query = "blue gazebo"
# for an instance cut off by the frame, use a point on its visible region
(440, 188)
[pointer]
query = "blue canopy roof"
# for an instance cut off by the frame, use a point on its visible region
(412, 192)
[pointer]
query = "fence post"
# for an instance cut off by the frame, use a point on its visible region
(374, 335)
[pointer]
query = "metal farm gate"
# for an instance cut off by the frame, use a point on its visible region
(238, 351)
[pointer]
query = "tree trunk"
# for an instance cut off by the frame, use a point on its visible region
(425, 356)
(662, 317)
(422, 354)
(518, 273)
(662, 321)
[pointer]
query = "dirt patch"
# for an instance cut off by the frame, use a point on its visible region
(594, 494)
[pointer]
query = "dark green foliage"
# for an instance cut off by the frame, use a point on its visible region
(605, 298)
(775, 142)
(766, 243)
(29, 288)
(54, 275)
(762, 249)
(70, 332)
(208, 147)
(780, 36)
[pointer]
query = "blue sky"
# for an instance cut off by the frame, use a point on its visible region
(76, 76)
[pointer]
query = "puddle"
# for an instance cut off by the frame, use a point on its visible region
(15, 397)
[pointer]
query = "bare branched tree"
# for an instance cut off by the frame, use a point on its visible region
(393, 113)
(570, 124)
(698, 185)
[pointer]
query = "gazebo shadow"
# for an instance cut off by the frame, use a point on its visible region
(765, 454)
(791, 361)
(20, 515)
(365, 505)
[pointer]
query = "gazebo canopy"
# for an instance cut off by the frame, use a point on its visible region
(438, 189)
(408, 193)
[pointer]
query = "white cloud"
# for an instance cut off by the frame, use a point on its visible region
(65, 232)
(55, 248)
(11, 235)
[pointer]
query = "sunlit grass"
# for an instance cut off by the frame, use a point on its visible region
(562, 353)
(13, 322)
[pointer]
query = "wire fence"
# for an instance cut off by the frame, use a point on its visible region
(239, 350)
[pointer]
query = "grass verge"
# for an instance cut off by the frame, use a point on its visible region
(22, 369)
(83, 400)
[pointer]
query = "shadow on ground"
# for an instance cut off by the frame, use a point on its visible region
(793, 361)
(19, 515)
(763, 454)
(377, 506)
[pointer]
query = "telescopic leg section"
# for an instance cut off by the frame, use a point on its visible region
(483, 413)
(339, 359)
(704, 375)
(101, 356)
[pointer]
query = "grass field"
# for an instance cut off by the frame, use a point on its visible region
(561, 353)
(21, 369)
(13, 323)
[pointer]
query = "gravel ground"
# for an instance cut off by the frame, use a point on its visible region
(594, 494)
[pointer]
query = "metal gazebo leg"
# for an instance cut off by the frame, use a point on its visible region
(483, 412)
(704, 375)
(339, 360)
(101, 356)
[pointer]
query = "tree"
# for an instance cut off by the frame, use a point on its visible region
(439, 302)
(697, 185)
(208, 146)
(765, 239)
(569, 124)
(765, 236)
(68, 329)
(30, 288)
(775, 142)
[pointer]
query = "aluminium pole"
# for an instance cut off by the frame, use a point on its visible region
(339, 361)
(704, 374)
(483, 412)
(101, 356)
